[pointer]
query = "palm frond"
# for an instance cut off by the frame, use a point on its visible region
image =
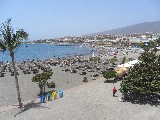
(2, 47)
(21, 34)
(10, 39)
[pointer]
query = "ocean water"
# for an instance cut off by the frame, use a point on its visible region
(44, 51)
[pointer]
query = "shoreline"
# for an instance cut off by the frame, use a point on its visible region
(49, 51)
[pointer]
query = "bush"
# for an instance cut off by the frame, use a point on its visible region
(143, 79)
(51, 84)
(109, 74)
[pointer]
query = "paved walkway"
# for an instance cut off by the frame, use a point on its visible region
(90, 101)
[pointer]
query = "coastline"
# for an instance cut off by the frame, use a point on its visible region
(43, 51)
(91, 100)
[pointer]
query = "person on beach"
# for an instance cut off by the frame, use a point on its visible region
(114, 91)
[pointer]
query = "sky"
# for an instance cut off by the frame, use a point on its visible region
(48, 19)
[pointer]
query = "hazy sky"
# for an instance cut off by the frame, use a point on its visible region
(58, 18)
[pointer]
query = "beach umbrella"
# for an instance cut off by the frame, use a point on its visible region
(119, 73)
(124, 69)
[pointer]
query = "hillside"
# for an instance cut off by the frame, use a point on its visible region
(153, 27)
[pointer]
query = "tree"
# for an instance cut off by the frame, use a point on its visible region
(42, 80)
(143, 79)
(10, 40)
(123, 60)
(109, 74)
(113, 60)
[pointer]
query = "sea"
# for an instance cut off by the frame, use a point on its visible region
(26, 52)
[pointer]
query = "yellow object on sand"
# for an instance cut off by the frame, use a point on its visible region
(124, 69)
(54, 95)
(119, 73)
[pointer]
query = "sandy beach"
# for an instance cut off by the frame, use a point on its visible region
(91, 100)
(63, 80)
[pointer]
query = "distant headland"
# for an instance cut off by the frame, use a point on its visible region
(147, 30)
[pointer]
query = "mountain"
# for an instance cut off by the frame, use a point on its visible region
(153, 27)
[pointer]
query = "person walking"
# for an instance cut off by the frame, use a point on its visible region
(114, 91)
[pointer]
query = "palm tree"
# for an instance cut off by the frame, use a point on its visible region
(10, 41)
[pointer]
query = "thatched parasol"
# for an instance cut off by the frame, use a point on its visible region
(119, 73)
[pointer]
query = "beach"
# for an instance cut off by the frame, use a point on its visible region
(87, 100)
(91, 101)
(63, 80)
